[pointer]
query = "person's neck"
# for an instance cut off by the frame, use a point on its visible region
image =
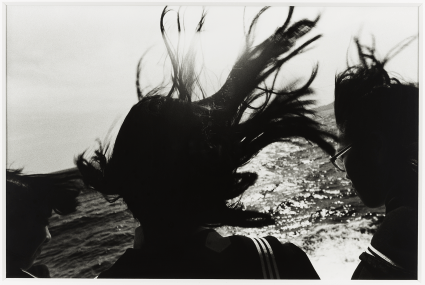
(154, 237)
(401, 196)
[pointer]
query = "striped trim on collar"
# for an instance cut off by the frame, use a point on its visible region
(33, 276)
(375, 253)
(267, 258)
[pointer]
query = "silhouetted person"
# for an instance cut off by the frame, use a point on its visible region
(175, 162)
(377, 118)
(30, 200)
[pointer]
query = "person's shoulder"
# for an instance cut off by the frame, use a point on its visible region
(396, 240)
(289, 250)
(272, 244)
(374, 267)
(289, 261)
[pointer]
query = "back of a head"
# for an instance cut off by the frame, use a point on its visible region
(30, 200)
(177, 157)
(37, 194)
(368, 100)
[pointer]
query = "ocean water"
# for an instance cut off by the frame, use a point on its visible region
(314, 207)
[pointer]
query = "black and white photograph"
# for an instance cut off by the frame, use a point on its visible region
(211, 141)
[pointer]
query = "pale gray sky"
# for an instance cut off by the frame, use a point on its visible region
(71, 69)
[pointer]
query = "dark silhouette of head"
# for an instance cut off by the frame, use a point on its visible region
(176, 158)
(30, 200)
(379, 115)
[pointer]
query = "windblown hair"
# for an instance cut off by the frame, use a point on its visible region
(367, 100)
(40, 193)
(175, 155)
